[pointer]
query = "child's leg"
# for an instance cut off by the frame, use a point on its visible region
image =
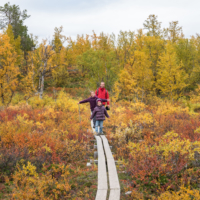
(101, 126)
(97, 125)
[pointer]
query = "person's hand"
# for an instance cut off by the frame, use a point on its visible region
(108, 106)
(108, 99)
(78, 103)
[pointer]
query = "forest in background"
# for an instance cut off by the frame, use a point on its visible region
(134, 65)
(153, 77)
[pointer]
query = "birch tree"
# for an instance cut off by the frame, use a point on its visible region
(171, 76)
(42, 64)
(8, 70)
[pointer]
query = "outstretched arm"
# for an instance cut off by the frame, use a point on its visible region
(84, 101)
(105, 100)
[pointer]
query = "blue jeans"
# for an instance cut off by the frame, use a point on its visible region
(99, 123)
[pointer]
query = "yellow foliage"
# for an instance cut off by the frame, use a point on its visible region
(28, 184)
(195, 96)
(137, 107)
(135, 79)
(183, 194)
(133, 132)
(36, 102)
(65, 102)
(8, 71)
(27, 84)
(171, 78)
(168, 143)
(145, 118)
(16, 44)
(167, 108)
(137, 195)
(171, 142)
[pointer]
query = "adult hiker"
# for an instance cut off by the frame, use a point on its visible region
(102, 93)
(93, 103)
(100, 112)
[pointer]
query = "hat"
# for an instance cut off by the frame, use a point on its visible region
(98, 100)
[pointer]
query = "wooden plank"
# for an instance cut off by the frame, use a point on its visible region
(102, 174)
(100, 151)
(107, 147)
(114, 194)
(101, 195)
(112, 171)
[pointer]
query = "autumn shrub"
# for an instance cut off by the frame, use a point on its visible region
(154, 173)
(184, 193)
(18, 97)
(182, 123)
(159, 144)
(156, 167)
(45, 133)
(74, 91)
(51, 183)
(9, 157)
(36, 102)
(131, 133)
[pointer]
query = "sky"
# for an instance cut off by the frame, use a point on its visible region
(108, 16)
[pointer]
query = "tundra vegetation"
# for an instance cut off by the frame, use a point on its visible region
(153, 76)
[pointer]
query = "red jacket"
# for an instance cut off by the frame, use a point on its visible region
(103, 94)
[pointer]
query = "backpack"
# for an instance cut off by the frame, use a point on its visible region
(98, 92)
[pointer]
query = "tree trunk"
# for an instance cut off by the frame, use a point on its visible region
(142, 94)
(42, 86)
(2, 96)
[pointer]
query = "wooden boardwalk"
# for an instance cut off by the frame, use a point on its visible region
(106, 173)
(102, 173)
(112, 172)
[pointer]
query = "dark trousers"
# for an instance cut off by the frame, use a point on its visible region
(94, 119)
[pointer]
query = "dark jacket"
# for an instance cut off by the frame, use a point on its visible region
(93, 102)
(100, 112)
